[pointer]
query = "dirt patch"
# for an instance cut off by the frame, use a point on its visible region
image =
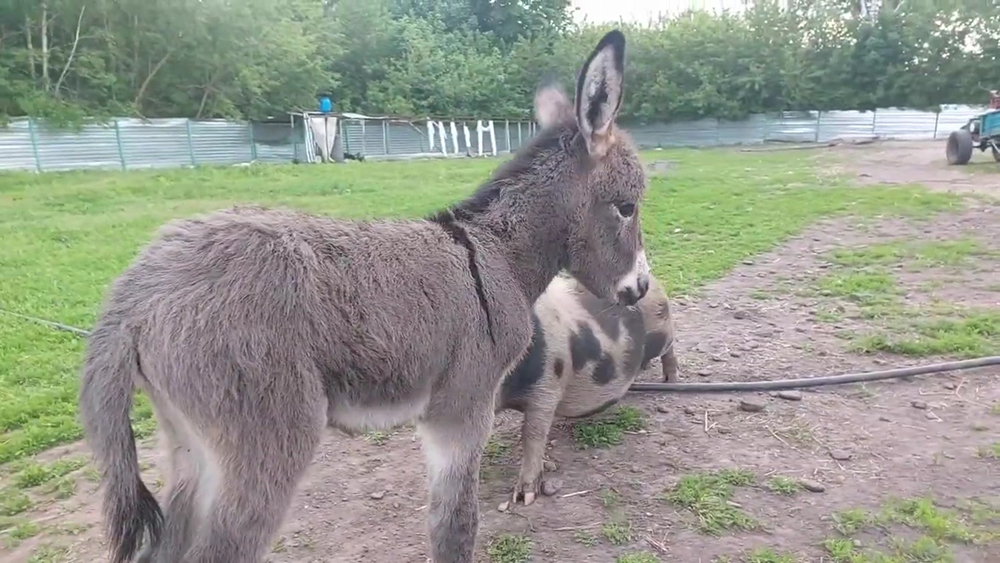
(919, 162)
(800, 476)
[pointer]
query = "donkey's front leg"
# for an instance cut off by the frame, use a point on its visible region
(453, 442)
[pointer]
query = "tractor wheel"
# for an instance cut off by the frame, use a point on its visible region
(959, 148)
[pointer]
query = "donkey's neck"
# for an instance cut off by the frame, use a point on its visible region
(530, 236)
(521, 210)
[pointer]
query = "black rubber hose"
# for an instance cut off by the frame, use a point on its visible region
(735, 386)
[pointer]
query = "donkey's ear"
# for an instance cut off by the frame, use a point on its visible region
(599, 92)
(551, 104)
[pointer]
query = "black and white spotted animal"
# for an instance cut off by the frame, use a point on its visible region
(585, 353)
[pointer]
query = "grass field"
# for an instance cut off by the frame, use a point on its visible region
(66, 236)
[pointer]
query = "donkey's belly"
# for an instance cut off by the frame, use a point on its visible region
(353, 418)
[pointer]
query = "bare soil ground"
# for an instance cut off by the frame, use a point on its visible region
(706, 480)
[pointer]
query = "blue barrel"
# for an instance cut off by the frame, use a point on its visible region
(325, 105)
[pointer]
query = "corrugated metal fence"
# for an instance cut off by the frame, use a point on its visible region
(132, 143)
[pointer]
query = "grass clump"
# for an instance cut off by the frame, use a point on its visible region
(13, 502)
(972, 336)
(21, 532)
(33, 474)
(509, 548)
(767, 555)
(708, 496)
(637, 557)
(866, 288)
(937, 528)
(617, 532)
(783, 485)
(608, 431)
(914, 255)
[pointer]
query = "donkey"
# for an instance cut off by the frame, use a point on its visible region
(252, 330)
(584, 355)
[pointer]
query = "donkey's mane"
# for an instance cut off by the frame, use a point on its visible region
(507, 174)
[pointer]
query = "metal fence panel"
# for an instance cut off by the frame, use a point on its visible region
(749, 131)
(845, 125)
(793, 127)
(220, 142)
(95, 146)
(160, 143)
(134, 143)
(16, 152)
(407, 138)
(894, 123)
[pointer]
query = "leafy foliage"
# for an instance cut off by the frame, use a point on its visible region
(71, 59)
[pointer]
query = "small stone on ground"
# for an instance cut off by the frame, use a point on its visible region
(551, 486)
(812, 486)
(752, 405)
(919, 405)
(841, 455)
(790, 395)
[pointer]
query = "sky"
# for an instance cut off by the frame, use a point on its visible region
(641, 11)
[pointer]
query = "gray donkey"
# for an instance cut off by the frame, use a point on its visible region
(252, 330)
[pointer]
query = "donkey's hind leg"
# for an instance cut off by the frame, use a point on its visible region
(453, 437)
(188, 465)
(260, 463)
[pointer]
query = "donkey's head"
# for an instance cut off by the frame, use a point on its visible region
(604, 247)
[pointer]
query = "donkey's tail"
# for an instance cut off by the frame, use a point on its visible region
(110, 369)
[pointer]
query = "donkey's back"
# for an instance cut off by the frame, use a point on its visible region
(338, 298)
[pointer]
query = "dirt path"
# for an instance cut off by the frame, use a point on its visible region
(800, 310)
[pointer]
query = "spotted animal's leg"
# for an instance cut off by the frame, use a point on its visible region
(668, 362)
(538, 419)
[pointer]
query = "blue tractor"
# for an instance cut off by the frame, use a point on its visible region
(982, 132)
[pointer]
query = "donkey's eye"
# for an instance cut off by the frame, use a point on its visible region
(626, 209)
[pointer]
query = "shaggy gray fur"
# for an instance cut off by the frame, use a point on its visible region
(252, 330)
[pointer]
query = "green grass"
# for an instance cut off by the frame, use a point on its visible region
(975, 335)
(67, 235)
(767, 555)
(866, 288)
(48, 554)
(607, 431)
(708, 496)
(914, 255)
(617, 532)
(509, 548)
(13, 502)
(21, 532)
(496, 450)
(933, 530)
(33, 474)
(637, 557)
(991, 451)
(783, 485)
